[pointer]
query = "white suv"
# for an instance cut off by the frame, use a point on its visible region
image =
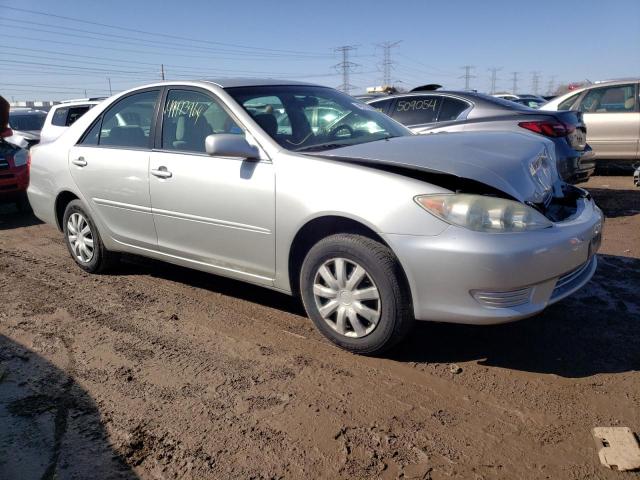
(62, 116)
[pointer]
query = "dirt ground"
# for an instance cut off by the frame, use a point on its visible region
(158, 372)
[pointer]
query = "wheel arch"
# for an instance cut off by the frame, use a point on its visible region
(318, 228)
(62, 200)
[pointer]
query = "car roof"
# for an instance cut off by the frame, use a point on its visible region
(75, 103)
(252, 82)
(605, 84)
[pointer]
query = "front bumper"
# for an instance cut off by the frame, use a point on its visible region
(447, 271)
(13, 182)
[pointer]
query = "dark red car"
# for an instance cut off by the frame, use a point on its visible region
(14, 174)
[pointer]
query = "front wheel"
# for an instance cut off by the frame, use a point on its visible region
(354, 290)
(83, 240)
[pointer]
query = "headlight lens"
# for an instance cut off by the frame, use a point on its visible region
(483, 214)
(20, 158)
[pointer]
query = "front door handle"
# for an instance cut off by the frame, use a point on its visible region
(80, 162)
(161, 172)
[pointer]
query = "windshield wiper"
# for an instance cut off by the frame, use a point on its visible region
(320, 146)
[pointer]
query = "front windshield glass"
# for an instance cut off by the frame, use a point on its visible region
(310, 118)
(27, 121)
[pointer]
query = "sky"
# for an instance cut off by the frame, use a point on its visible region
(71, 48)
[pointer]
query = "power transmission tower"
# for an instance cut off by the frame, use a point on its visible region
(346, 67)
(162, 71)
(109, 80)
(387, 63)
(535, 82)
(514, 80)
(551, 85)
(467, 75)
(494, 71)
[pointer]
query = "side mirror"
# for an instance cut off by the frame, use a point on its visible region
(230, 145)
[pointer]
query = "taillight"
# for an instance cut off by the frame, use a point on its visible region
(549, 128)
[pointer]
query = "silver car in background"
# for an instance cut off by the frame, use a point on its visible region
(434, 111)
(305, 190)
(611, 111)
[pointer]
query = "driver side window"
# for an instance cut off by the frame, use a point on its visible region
(189, 117)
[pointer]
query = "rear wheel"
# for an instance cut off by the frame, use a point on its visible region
(83, 240)
(354, 291)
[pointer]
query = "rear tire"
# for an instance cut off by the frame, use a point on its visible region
(354, 290)
(83, 240)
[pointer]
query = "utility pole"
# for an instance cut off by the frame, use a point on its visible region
(110, 92)
(387, 63)
(162, 71)
(494, 71)
(467, 75)
(345, 67)
(514, 80)
(535, 82)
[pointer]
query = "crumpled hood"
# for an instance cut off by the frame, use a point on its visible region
(502, 160)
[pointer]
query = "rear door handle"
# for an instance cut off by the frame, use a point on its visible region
(161, 172)
(80, 162)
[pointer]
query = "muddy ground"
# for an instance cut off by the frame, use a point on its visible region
(159, 372)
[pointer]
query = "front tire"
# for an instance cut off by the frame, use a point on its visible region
(354, 290)
(83, 240)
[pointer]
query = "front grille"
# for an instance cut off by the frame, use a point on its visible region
(572, 279)
(6, 175)
(4, 164)
(12, 186)
(502, 299)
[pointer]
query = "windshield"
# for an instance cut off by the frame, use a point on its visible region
(311, 118)
(27, 121)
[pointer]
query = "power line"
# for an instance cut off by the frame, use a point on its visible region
(144, 32)
(161, 47)
(494, 71)
(467, 75)
(514, 79)
(345, 66)
(387, 63)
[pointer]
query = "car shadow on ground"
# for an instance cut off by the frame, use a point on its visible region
(11, 217)
(49, 426)
(596, 330)
(617, 203)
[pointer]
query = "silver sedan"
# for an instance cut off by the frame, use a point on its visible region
(305, 190)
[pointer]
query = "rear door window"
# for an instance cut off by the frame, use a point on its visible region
(415, 110)
(127, 124)
(451, 109)
(613, 99)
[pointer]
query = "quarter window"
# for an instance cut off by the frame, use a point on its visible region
(382, 105)
(568, 103)
(614, 99)
(189, 117)
(75, 113)
(60, 117)
(451, 109)
(415, 110)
